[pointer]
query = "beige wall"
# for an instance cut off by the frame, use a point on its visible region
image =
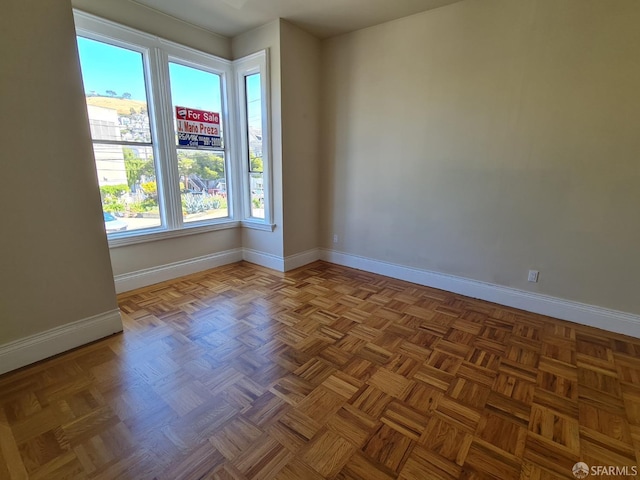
(300, 137)
(267, 37)
(294, 77)
(488, 137)
(54, 260)
(162, 252)
(151, 21)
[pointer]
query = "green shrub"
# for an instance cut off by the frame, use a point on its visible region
(196, 203)
(149, 204)
(136, 207)
(214, 203)
(111, 204)
(145, 205)
(114, 191)
(193, 203)
(222, 202)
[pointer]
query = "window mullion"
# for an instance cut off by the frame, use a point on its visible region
(232, 147)
(267, 170)
(167, 155)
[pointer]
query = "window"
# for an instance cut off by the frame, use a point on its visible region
(175, 152)
(202, 173)
(253, 104)
(251, 80)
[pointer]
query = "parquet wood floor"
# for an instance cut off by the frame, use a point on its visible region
(325, 372)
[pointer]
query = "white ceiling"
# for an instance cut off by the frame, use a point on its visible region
(322, 18)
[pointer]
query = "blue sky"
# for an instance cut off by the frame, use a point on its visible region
(254, 106)
(194, 88)
(107, 67)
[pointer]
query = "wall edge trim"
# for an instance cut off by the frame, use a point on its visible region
(36, 347)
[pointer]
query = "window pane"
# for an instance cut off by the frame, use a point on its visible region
(127, 178)
(257, 195)
(254, 121)
(203, 184)
(115, 92)
(254, 141)
(197, 90)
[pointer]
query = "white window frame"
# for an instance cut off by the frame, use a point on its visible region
(252, 64)
(157, 53)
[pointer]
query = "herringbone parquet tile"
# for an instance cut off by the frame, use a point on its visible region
(324, 372)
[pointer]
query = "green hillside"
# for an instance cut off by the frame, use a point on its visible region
(122, 105)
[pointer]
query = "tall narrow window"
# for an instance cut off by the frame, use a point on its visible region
(253, 98)
(117, 105)
(251, 75)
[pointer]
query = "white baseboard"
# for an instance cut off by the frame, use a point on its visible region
(42, 345)
(267, 260)
(581, 313)
(150, 276)
(301, 259)
(279, 263)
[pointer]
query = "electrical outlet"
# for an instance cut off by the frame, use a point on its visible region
(533, 276)
(335, 238)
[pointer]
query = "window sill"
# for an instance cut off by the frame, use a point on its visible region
(155, 235)
(266, 227)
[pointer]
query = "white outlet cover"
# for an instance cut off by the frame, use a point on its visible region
(533, 276)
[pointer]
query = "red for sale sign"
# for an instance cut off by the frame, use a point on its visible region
(198, 128)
